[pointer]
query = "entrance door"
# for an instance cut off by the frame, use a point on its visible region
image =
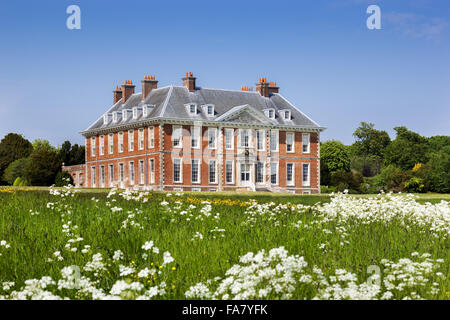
(245, 175)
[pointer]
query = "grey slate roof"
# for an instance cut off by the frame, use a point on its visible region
(169, 103)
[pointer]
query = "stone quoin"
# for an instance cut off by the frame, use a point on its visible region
(190, 138)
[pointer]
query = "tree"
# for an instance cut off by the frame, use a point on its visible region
(436, 143)
(39, 144)
(334, 155)
(13, 147)
(64, 153)
(407, 149)
(439, 175)
(43, 167)
(77, 155)
(71, 155)
(370, 145)
(15, 170)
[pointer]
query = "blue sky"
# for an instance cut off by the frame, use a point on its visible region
(55, 82)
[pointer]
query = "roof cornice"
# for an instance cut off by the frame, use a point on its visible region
(161, 120)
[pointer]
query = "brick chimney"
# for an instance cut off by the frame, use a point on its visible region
(189, 81)
(263, 87)
(148, 84)
(273, 88)
(127, 90)
(266, 88)
(117, 94)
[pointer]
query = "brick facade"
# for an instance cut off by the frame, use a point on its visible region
(100, 161)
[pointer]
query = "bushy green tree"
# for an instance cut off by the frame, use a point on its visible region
(335, 156)
(43, 167)
(71, 155)
(369, 148)
(14, 170)
(408, 149)
(13, 147)
(439, 175)
(42, 144)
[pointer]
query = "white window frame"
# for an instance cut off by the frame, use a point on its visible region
(260, 137)
(93, 176)
(214, 146)
(141, 141)
(242, 141)
(121, 145)
(102, 176)
(144, 111)
(111, 143)
(141, 172)
(180, 162)
(215, 171)
(292, 181)
(306, 137)
(121, 172)
(277, 173)
(124, 114)
(232, 171)
(290, 134)
(287, 115)
(151, 170)
(263, 174)
(102, 145)
(274, 134)
(115, 116)
(206, 108)
(189, 110)
(177, 134)
(306, 183)
(93, 151)
(151, 137)
(111, 174)
(229, 139)
(130, 140)
(131, 173)
(196, 134)
(135, 112)
(198, 164)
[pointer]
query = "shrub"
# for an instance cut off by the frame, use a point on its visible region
(396, 181)
(14, 170)
(414, 184)
(43, 167)
(63, 178)
(20, 182)
(347, 180)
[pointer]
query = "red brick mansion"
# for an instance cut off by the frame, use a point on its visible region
(188, 138)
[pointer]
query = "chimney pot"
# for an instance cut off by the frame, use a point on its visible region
(148, 84)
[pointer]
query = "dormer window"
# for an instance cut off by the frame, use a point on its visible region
(191, 109)
(135, 112)
(287, 115)
(124, 114)
(209, 110)
(270, 113)
(115, 116)
(144, 111)
(105, 118)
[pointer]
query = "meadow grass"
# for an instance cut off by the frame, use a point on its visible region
(34, 238)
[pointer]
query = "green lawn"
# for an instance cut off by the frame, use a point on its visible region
(36, 230)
